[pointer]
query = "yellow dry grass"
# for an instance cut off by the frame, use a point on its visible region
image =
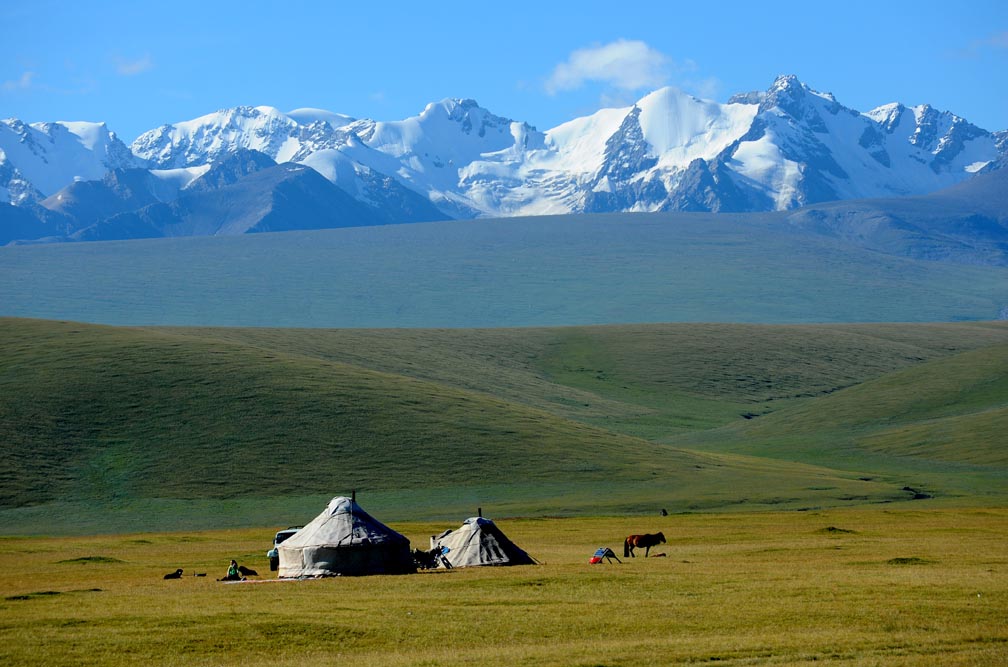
(844, 587)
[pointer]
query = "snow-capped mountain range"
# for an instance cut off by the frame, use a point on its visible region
(778, 149)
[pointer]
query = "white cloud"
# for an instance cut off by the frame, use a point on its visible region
(23, 83)
(133, 67)
(998, 41)
(708, 88)
(624, 64)
(978, 48)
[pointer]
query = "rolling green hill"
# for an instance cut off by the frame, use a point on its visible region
(107, 426)
(939, 424)
(649, 380)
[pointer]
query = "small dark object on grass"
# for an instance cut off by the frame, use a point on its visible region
(913, 560)
(177, 574)
(92, 559)
(426, 560)
(199, 574)
(429, 560)
(247, 571)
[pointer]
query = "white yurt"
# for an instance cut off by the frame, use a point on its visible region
(479, 541)
(344, 540)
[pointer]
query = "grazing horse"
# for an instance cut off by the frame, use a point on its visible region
(647, 541)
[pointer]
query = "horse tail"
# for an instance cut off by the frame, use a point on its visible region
(626, 548)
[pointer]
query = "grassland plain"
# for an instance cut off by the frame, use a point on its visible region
(835, 587)
(108, 428)
(543, 271)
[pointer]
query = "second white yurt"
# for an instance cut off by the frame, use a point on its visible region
(479, 542)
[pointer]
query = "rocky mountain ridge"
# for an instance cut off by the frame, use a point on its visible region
(780, 149)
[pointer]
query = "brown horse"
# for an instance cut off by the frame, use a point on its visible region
(647, 541)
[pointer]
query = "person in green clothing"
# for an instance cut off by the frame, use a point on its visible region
(232, 573)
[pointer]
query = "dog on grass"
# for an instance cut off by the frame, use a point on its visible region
(247, 571)
(177, 574)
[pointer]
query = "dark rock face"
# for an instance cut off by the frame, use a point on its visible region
(230, 169)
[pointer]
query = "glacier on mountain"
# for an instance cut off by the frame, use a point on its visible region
(38, 159)
(779, 149)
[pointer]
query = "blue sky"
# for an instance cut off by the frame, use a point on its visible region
(137, 65)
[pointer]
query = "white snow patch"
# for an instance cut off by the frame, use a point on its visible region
(682, 128)
(762, 162)
(180, 178)
(579, 145)
(882, 114)
(307, 116)
(287, 150)
(92, 135)
(335, 167)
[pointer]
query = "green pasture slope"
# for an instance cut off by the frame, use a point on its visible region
(118, 429)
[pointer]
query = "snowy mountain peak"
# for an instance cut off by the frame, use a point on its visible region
(210, 137)
(682, 128)
(791, 97)
(887, 115)
(788, 88)
(468, 114)
(49, 156)
(786, 83)
(447, 136)
(787, 146)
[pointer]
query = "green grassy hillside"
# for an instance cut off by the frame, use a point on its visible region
(652, 381)
(940, 423)
(125, 412)
(210, 426)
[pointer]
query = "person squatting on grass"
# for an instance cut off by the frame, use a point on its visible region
(232, 573)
